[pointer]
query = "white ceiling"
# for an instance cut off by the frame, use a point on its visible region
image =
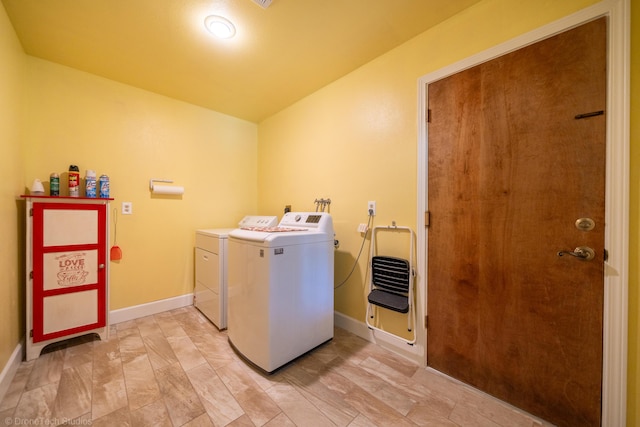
(279, 55)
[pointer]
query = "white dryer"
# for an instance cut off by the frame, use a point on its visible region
(210, 291)
(280, 283)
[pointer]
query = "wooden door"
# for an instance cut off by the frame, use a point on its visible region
(69, 269)
(516, 157)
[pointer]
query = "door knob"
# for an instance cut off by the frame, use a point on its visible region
(584, 253)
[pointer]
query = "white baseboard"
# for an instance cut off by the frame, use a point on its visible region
(415, 353)
(9, 371)
(150, 308)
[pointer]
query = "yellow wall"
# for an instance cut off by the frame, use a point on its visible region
(12, 63)
(355, 140)
(132, 136)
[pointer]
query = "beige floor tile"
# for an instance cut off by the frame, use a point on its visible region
(361, 421)
(432, 413)
(37, 404)
(6, 417)
(328, 402)
(465, 417)
(104, 351)
(215, 349)
(281, 420)
(492, 409)
(201, 421)
(108, 387)
(78, 354)
(169, 326)
(194, 323)
(12, 396)
(253, 400)
(296, 407)
(120, 418)
(439, 384)
(131, 342)
(148, 326)
(108, 396)
(180, 398)
(46, 369)
(152, 415)
(140, 381)
(362, 378)
(262, 379)
(257, 405)
(243, 421)
(374, 409)
(74, 394)
(186, 352)
(219, 403)
(397, 363)
(234, 378)
(159, 350)
(401, 397)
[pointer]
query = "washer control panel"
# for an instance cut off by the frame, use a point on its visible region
(305, 219)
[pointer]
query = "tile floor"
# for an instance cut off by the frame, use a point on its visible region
(176, 369)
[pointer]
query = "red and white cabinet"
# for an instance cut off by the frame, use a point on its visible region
(67, 270)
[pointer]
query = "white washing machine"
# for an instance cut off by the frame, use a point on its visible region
(281, 288)
(210, 291)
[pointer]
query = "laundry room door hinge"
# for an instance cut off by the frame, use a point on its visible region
(428, 115)
(426, 322)
(427, 218)
(31, 212)
(31, 275)
(31, 333)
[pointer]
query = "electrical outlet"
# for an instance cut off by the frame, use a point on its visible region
(127, 208)
(362, 228)
(371, 208)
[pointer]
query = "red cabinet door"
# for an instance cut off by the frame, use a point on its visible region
(69, 269)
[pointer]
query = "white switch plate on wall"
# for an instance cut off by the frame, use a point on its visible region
(127, 208)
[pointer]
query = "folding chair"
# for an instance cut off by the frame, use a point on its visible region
(391, 286)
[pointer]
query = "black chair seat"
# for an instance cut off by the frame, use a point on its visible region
(389, 300)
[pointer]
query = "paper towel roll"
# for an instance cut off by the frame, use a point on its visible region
(167, 189)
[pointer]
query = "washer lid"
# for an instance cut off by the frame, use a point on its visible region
(273, 236)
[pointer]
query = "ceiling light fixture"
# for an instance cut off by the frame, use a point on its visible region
(219, 26)
(262, 3)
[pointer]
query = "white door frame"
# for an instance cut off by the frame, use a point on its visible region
(616, 283)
